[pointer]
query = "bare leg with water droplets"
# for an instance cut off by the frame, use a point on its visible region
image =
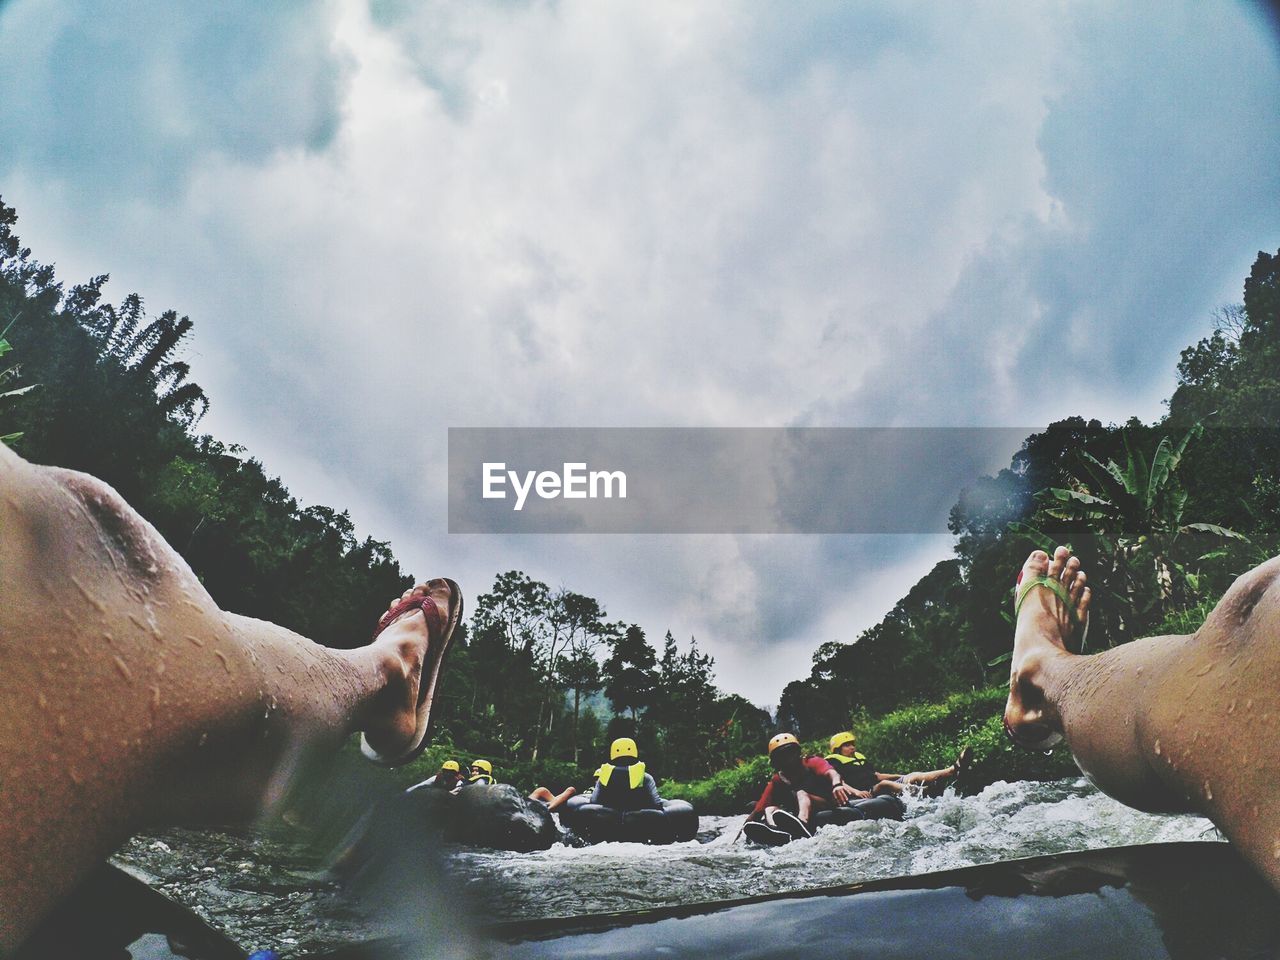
(1176, 723)
(128, 699)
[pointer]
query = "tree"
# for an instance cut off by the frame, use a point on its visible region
(7, 376)
(1136, 513)
(682, 708)
(579, 672)
(629, 672)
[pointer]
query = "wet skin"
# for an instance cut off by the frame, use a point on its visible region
(129, 699)
(1164, 724)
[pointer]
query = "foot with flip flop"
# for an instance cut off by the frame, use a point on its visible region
(1048, 621)
(415, 633)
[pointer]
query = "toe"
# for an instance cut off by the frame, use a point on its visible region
(1076, 587)
(1069, 570)
(1082, 607)
(1059, 561)
(1035, 566)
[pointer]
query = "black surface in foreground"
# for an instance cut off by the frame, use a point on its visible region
(1176, 900)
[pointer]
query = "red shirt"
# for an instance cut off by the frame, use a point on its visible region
(815, 779)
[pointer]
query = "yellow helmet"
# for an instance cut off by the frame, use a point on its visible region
(484, 765)
(451, 765)
(781, 740)
(623, 747)
(840, 739)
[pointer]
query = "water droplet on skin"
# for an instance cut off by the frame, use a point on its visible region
(124, 670)
(62, 722)
(75, 777)
(223, 657)
(42, 700)
(1157, 754)
(1208, 791)
(89, 598)
(196, 640)
(204, 738)
(88, 735)
(1231, 708)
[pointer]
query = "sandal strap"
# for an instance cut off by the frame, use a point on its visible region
(1055, 586)
(435, 622)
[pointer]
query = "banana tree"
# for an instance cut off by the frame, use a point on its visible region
(1136, 512)
(8, 375)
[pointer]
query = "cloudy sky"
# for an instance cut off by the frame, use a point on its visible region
(388, 218)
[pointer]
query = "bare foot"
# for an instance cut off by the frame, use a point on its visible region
(412, 645)
(1045, 625)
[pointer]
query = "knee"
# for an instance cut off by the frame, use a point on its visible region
(99, 516)
(1248, 597)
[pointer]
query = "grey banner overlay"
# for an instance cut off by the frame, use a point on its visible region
(718, 480)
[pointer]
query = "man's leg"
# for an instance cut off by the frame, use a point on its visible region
(127, 698)
(1174, 723)
(558, 801)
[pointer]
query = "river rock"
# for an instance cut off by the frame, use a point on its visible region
(498, 816)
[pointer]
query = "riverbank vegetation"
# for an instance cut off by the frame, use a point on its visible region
(1163, 515)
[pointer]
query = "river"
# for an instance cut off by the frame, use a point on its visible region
(268, 891)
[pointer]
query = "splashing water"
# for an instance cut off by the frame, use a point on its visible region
(1004, 822)
(259, 890)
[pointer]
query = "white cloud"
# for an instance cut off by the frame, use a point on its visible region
(653, 214)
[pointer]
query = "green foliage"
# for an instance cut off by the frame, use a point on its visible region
(917, 738)
(7, 376)
(525, 775)
(928, 737)
(1135, 513)
(630, 677)
(725, 793)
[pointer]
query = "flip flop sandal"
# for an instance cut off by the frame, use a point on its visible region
(1021, 589)
(439, 633)
(761, 833)
(792, 824)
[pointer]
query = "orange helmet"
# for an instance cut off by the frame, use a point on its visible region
(781, 740)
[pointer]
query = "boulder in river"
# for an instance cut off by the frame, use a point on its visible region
(498, 816)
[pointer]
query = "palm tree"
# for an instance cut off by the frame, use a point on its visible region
(145, 350)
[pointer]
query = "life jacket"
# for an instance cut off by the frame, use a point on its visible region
(635, 774)
(484, 778)
(841, 759)
(855, 771)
